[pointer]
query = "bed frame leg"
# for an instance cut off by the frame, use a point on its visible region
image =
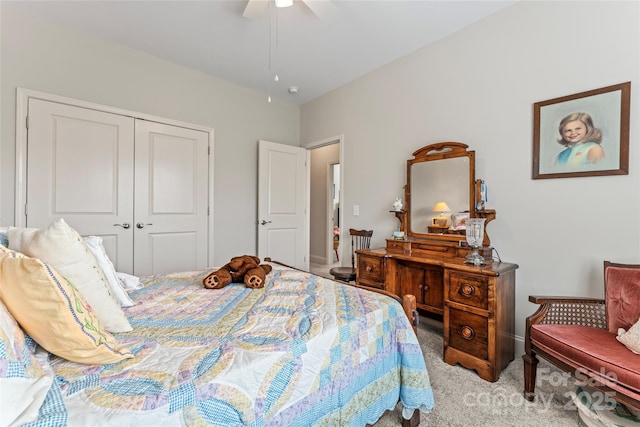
(414, 421)
(409, 305)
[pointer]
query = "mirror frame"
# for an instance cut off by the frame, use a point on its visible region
(440, 151)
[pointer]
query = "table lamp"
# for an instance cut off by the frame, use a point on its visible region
(441, 220)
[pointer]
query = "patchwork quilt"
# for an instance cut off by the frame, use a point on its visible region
(301, 351)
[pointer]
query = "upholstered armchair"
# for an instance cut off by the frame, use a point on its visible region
(578, 335)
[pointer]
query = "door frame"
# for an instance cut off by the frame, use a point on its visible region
(329, 209)
(338, 139)
(22, 109)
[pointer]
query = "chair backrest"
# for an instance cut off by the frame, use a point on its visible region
(621, 295)
(360, 239)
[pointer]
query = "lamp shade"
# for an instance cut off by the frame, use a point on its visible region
(441, 207)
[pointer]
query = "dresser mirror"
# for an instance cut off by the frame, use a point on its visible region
(440, 182)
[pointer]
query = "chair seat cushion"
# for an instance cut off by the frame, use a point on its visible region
(343, 273)
(595, 350)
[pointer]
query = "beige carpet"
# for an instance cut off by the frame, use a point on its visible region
(464, 399)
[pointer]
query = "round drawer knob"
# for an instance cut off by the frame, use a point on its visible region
(368, 269)
(468, 290)
(467, 332)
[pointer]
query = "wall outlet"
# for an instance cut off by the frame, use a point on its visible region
(356, 210)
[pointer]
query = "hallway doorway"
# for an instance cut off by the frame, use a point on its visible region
(325, 219)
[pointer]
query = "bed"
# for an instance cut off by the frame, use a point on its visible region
(303, 350)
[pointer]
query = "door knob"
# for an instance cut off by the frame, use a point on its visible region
(124, 225)
(141, 224)
(263, 222)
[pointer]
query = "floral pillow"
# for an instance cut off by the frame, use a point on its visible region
(53, 312)
(631, 338)
(21, 372)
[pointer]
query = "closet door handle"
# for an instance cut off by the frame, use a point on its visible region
(124, 225)
(142, 224)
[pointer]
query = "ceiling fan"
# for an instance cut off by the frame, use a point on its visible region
(255, 8)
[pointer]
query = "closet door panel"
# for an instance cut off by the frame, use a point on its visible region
(170, 199)
(80, 168)
(74, 190)
(164, 248)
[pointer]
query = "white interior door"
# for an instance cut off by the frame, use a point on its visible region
(80, 168)
(282, 204)
(171, 183)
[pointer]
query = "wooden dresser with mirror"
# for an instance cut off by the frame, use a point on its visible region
(476, 302)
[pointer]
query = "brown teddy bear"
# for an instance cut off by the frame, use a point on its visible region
(245, 268)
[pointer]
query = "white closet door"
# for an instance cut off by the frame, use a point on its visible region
(171, 183)
(80, 168)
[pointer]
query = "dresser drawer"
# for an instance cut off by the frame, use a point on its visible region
(430, 250)
(468, 332)
(371, 270)
(469, 289)
(398, 246)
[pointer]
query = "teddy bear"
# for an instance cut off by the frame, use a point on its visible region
(245, 268)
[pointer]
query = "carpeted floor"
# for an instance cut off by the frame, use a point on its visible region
(464, 399)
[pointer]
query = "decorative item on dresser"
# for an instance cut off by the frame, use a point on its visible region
(477, 301)
(475, 235)
(441, 220)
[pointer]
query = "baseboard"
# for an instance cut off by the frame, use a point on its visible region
(315, 259)
(519, 346)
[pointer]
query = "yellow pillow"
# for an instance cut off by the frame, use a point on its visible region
(53, 312)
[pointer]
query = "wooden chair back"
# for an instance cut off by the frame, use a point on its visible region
(360, 239)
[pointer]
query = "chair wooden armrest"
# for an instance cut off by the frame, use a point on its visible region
(540, 299)
(560, 310)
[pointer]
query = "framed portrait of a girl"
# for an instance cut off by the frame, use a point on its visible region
(584, 134)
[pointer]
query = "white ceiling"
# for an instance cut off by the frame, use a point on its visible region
(315, 54)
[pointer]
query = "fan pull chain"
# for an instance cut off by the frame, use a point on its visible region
(271, 35)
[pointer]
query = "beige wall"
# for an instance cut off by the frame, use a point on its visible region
(52, 59)
(478, 86)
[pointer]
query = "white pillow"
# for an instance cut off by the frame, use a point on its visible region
(25, 376)
(115, 285)
(63, 248)
(631, 338)
(129, 282)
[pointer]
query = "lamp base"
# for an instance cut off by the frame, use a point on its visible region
(474, 258)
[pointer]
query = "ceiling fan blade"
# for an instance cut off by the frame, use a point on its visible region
(322, 8)
(255, 8)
